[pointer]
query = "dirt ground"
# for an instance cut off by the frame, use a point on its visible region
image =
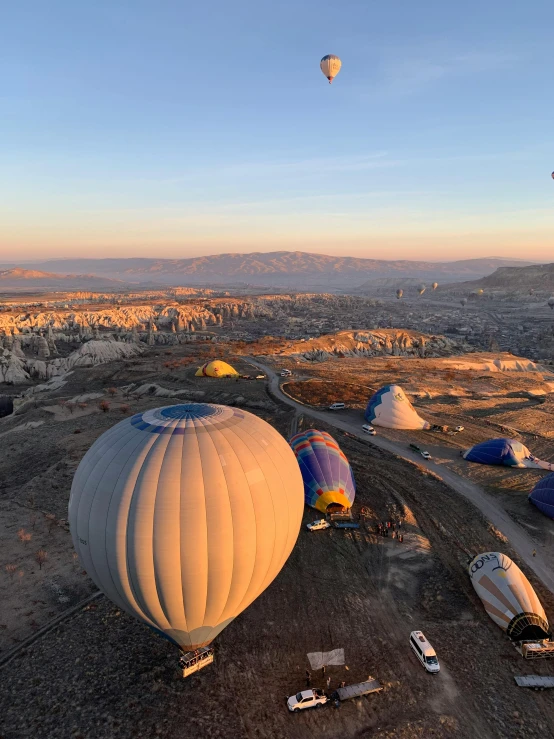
(102, 674)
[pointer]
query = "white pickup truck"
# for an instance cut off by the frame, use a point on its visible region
(307, 699)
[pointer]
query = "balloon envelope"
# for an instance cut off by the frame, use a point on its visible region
(183, 515)
(542, 495)
(216, 368)
(390, 408)
(508, 596)
(328, 478)
(435, 285)
(399, 293)
(330, 66)
(421, 289)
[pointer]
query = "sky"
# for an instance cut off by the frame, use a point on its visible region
(174, 129)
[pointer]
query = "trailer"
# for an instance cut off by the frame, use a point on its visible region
(357, 690)
(346, 525)
(537, 682)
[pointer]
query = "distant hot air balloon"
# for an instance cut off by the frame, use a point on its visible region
(184, 515)
(421, 288)
(551, 302)
(328, 479)
(508, 596)
(435, 285)
(330, 66)
(553, 175)
(463, 302)
(399, 293)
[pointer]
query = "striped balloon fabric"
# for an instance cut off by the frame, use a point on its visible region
(328, 479)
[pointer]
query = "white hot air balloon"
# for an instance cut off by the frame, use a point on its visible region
(183, 515)
(330, 66)
(508, 596)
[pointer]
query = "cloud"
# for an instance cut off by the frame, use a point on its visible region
(410, 73)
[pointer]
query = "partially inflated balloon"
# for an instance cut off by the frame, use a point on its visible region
(330, 66)
(183, 515)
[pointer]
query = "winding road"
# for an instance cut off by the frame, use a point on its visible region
(520, 541)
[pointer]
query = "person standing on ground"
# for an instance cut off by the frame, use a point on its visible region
(328, 682)
(534, 552)
(308, 678)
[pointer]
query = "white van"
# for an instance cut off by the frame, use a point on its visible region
(424, 651)
(336, 406)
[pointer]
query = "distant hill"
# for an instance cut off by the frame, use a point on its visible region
(19, 278)
(275, 269)
(537, 277)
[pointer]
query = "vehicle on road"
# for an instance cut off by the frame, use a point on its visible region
(346, 525)
(424, 652)
(336, 406)
(318, 525)
(307, 699)
(260, 377)
(415, 448)
(366, 428)
(286, 373)
(459, 428)
(425, 455)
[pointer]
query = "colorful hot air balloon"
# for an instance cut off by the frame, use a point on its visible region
(328, 479)
(421, 289)
(330, 66)
(508, 596)
(435, 285)
(216, 368)
(184, 515)
(389, 407)
(399, 293)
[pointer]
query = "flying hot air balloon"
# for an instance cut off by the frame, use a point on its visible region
(330, 66)
(328, 479)
(421, 289)
(553, 175)
(551, 302)
(183, 516)
(463, 302)
(435, 285)
(399, 293)
(508, 596)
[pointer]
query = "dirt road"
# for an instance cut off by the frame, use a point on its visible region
(518, 538)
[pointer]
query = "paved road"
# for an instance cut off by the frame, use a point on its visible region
(520, 541)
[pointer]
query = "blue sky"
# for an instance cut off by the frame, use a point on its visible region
(170, 128)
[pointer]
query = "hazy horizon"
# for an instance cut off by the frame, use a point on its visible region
(143, 130)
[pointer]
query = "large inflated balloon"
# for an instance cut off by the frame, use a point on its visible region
(399, 293)
(421, 288)
(542, 495)
(216, 368)
(551, 302)
(328, 478)
(463, 302)
(183, 515)
(435, 285)
(330, 66)
(508, 596)
(390, 407)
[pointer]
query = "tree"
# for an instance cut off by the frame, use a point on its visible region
(10, 569)
(24, 536)
(124, 408)
(52, 521)
(112, 391)
(40, 557)
(104, 406)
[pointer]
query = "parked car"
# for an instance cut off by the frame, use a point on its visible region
(425, 455)
(336, 406)
(318, 525)
(424, 652)
(415, 448)
(260, 377)
(286, 373)
(368, 429)
(459, 428)
(307, 699)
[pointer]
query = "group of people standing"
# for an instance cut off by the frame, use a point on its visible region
(392, 529)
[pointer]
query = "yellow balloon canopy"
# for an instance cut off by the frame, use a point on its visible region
(217, 368)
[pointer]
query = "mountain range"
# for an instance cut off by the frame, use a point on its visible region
(298, 270)
(20, 278)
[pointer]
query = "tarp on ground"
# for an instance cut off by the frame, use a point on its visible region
(318, 660)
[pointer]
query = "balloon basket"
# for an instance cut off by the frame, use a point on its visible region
(191, 662)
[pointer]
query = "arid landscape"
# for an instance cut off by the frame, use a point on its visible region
(72, 665)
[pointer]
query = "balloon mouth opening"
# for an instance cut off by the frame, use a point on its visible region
(330, 79)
